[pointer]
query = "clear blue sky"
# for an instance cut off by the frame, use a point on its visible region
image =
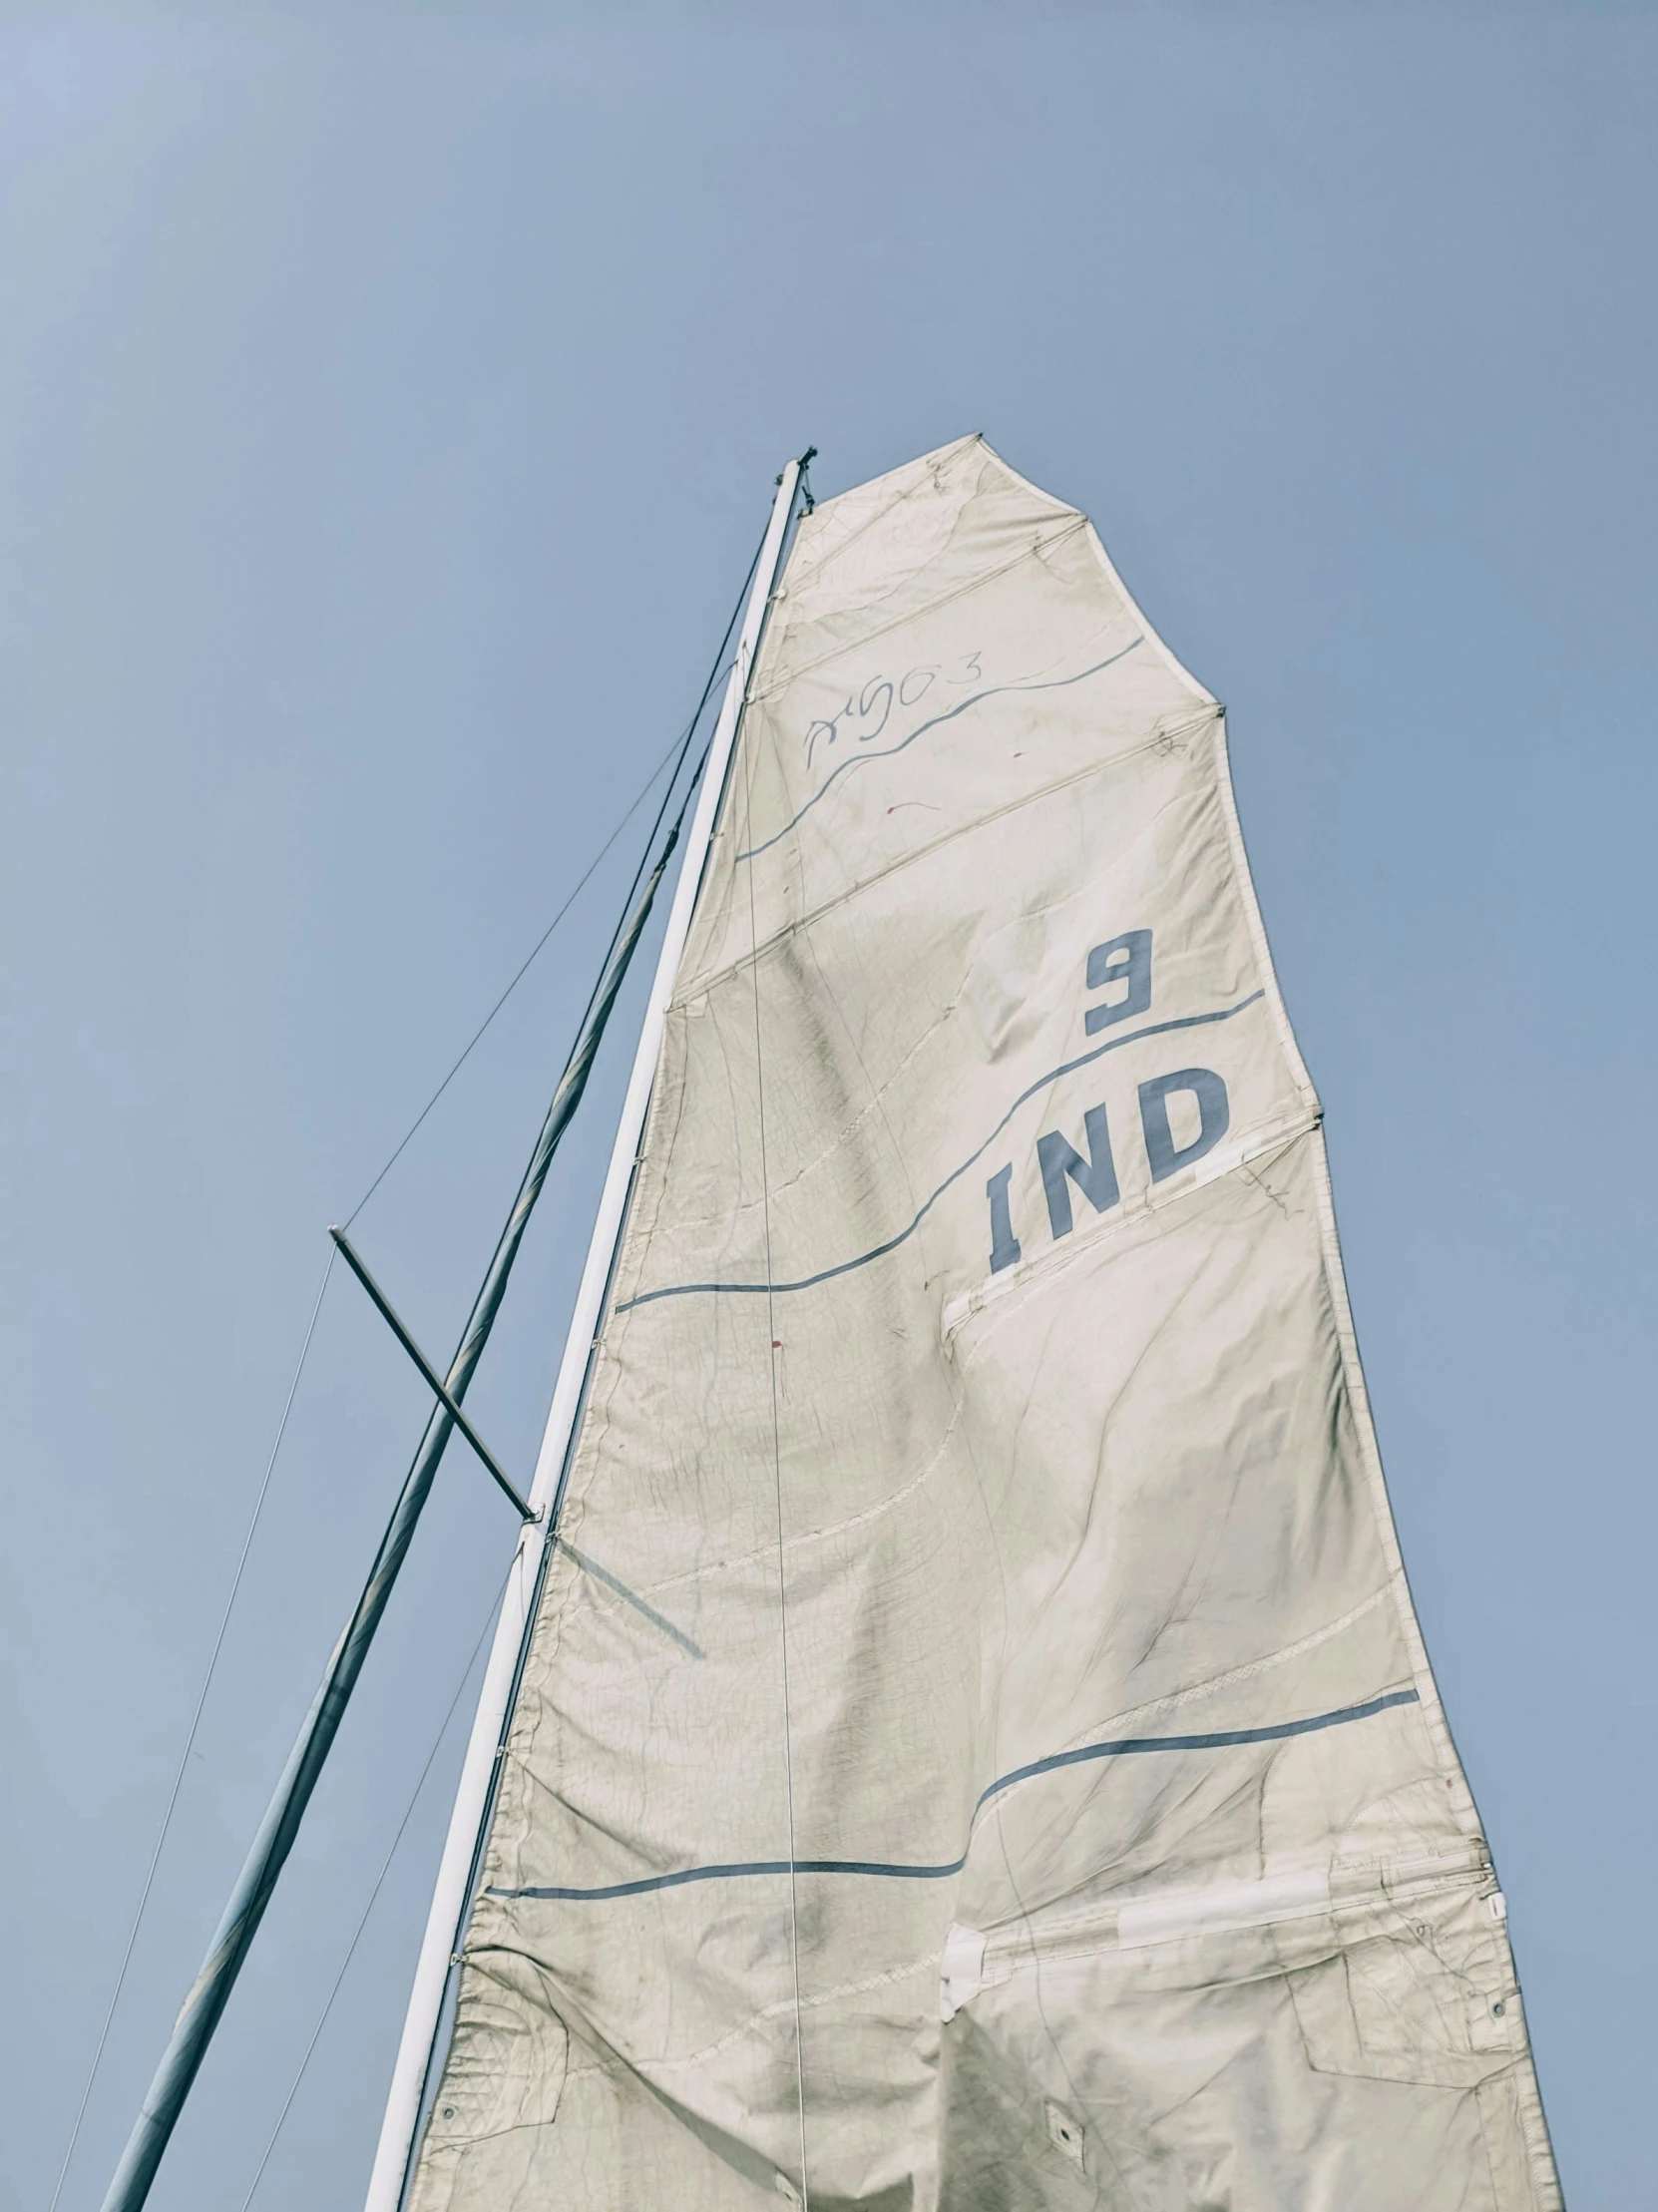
(389, 403)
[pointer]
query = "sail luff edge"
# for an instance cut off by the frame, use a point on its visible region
(394, 2155)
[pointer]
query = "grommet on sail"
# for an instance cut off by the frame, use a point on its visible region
(970, 1744)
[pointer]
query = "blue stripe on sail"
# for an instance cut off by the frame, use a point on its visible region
(879, 1251)
(743, 1868)
(1129, 1746)
(995, 690)
(1120, 1748)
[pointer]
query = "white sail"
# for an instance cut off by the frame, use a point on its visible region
(974, 1747)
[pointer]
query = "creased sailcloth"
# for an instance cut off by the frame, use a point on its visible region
(974, 1748)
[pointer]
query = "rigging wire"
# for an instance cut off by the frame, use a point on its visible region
(379, 1884)
(466, 1052)
(626, 914)
(680, 746)
(190, 1740)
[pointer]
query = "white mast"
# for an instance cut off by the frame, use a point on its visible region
(449, 1899)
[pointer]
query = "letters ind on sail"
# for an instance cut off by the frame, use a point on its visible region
(974, 1748)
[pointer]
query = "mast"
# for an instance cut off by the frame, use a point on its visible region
(451, 1895)
(204, 2004)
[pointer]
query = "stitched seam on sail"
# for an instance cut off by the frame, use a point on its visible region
(827, 1534)
(1084, 1934)
(701, 985)
(637, 1239)
(1222, 1739)
(924, 469)
(902, 1237)
(1376, 1482)
(1254, 921)
(1079, 1247)
(927, 1965)
(915, 614)
(1216, 1739)
(1116, 1721)
(1024, 687)
(1234, 1675)
(782, 1556)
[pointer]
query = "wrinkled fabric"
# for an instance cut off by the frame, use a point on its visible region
(974, 1748)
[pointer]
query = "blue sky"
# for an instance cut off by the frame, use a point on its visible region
(389, 404)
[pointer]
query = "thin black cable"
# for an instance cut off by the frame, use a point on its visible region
(190, 1740)
(777, 1475)
(680, 746)
(433, 2051)
(720, 668)
(379, 1884)
(580, 885)
(720, 663)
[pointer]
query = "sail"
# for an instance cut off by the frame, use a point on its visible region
(974, 1748)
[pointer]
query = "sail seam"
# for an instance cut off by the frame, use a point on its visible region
(1121, 1747)
(891, 1244)
(929, 469)
(777, 1481)
(1160, 739)
(653, 2068)
(1251, 1668)
(889, 752)
(836, 1530)
(827, 1532)
(1039, 545)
